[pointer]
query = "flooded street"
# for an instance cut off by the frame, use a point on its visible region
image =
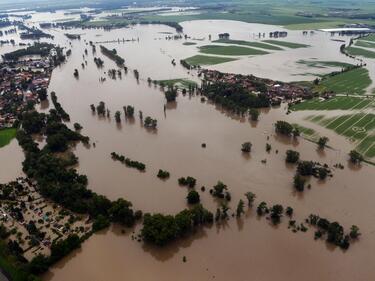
(243, 249)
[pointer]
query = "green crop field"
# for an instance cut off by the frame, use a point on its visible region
(359, 128)
(248, 43)
(6, 135)
(337, 103)
(230, 50)
(368, 38)
(354, 51)
(207, 60)
(353, 82)
(366, 44)
(287, 44)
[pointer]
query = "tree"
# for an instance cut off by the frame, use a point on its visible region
(289, 211)
(240, 208)
(188, 181)
(250, 198)
(268, 147)
(246, 147)
(299, 182)
(76, 74)
(276, 213)
(322, 142)
(292, 156)
(193, 197)
(163, 174)
(129, 111)
(262, 208)
(171, 94)
(118, 116)
(77, 126)
(254, 114)
(354, 232)
(305, 168)
(159, 229)
(121, 212)
(150, 123)
(355, 157)
(283, 128)
(218, 190)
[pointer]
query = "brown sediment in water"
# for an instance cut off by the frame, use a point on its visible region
(242, 249)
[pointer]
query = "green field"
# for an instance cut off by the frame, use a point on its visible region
(6, 135)
(353, 82)
(180, 83)
(324, 64)
(368, 38)
(248, 43)
(287, 44)
(207, 60)
(337, 103)
(360, 52)
(358, 128)
(366, 44)
(230, 50)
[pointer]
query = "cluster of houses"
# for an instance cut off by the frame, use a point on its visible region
(20, 83)
(36, 222)
(276, 91)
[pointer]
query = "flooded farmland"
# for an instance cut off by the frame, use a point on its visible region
(245, 248)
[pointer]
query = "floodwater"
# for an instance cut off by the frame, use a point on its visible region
(248, 248)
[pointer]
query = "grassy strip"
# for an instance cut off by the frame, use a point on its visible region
(230, 50)
(247, 43)
(189, 43)
(184, 83)
(6, 135)
(360, 52)
(368, 38)
(337, 103)
(323, 64)
(287, 44)
(207, 60)
(353, 82)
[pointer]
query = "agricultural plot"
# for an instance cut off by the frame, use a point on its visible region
(6, 135)
(248, 43)
(287, 44)
(353, 82)
(230, 50)
(354, 51)
(358, 128)
(368, 38)
(207, 60)
(366, 44)
(337, 103)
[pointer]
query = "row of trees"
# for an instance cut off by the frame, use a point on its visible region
(128, 162)
(112, 54)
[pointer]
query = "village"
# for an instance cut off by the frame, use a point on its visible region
(22, 82)
(276, 91)
(34, 223)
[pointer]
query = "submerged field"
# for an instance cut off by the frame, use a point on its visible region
(358, 128)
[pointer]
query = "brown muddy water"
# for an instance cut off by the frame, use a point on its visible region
(244, 249)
